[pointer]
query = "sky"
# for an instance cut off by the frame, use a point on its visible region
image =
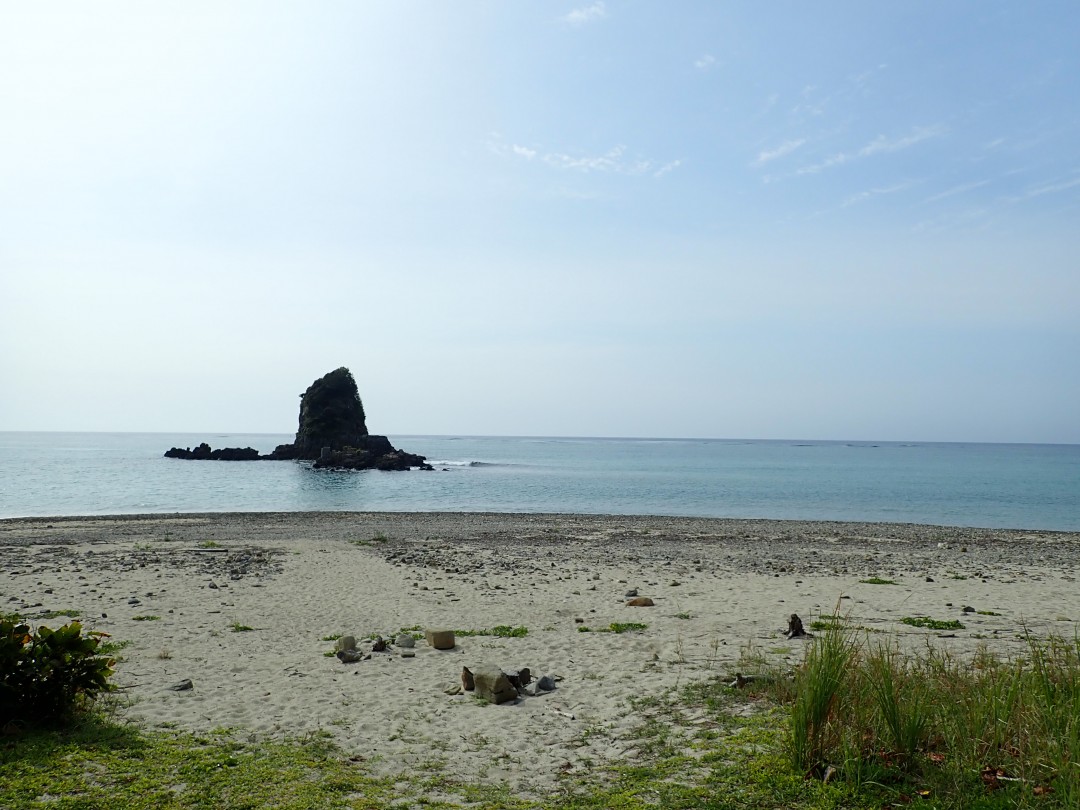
(837, 220)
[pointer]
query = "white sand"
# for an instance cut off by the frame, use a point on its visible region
(303, 577)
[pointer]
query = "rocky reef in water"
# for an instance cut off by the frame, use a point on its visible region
(332, 434)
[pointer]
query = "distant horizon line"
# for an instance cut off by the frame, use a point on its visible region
(563, 437)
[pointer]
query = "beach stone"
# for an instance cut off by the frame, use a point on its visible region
(408, 653)
(345, 643)
(493, 685)
(405, 641)
(351, 656)
(640, 601)
(467, 682)
(519, 678)
(545, 683)
(630, 594)
(440, 639)
(182, 686)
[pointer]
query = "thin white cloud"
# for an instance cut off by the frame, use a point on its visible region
(1048, 188)
(952, 192)
(879, 146)
(705, 61)
(863, 196)
(614, 161)
(786, 148)
(667, 167)
(586, 14)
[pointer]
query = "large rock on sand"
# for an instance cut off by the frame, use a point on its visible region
(492, 684)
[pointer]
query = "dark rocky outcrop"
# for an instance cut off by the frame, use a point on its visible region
(332, 433)
(204, 453)
(331, 415)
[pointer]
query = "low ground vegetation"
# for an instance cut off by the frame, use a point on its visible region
(859, 724)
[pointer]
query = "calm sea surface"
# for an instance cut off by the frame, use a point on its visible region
(985, 485)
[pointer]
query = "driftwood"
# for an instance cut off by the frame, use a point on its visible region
(795, 627)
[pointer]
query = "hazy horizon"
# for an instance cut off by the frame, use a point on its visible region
(207, 436)
(580, 219)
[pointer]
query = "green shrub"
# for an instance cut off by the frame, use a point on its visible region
(46, 674)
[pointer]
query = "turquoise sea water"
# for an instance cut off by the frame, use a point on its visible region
(985, 485)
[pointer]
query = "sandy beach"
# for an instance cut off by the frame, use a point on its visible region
(246, 607)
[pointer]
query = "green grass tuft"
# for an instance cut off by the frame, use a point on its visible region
(932, 624)
(501, 631)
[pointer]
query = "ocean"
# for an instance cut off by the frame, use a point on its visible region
(979, 485)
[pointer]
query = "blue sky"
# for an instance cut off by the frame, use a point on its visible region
(745, 220)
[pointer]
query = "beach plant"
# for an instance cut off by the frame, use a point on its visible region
(48, 675)
(69, 613)
(377, 538)
(932, 624)
(815, 726)
(902, 700)
(108, 647)
(626, 627)
(500, 631)
(146, 618)
(236, 627)
(878, 581)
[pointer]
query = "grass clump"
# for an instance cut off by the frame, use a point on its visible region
(69, 613)
(236, 627)
(378, 538)
(985, 733)
(615, 627)
(625, 627)
(147, 618)
(878, 581)
(932, 624)
(500, 631)
(210, 544)
(815, 720)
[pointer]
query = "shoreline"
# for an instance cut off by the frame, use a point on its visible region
(720, 586)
